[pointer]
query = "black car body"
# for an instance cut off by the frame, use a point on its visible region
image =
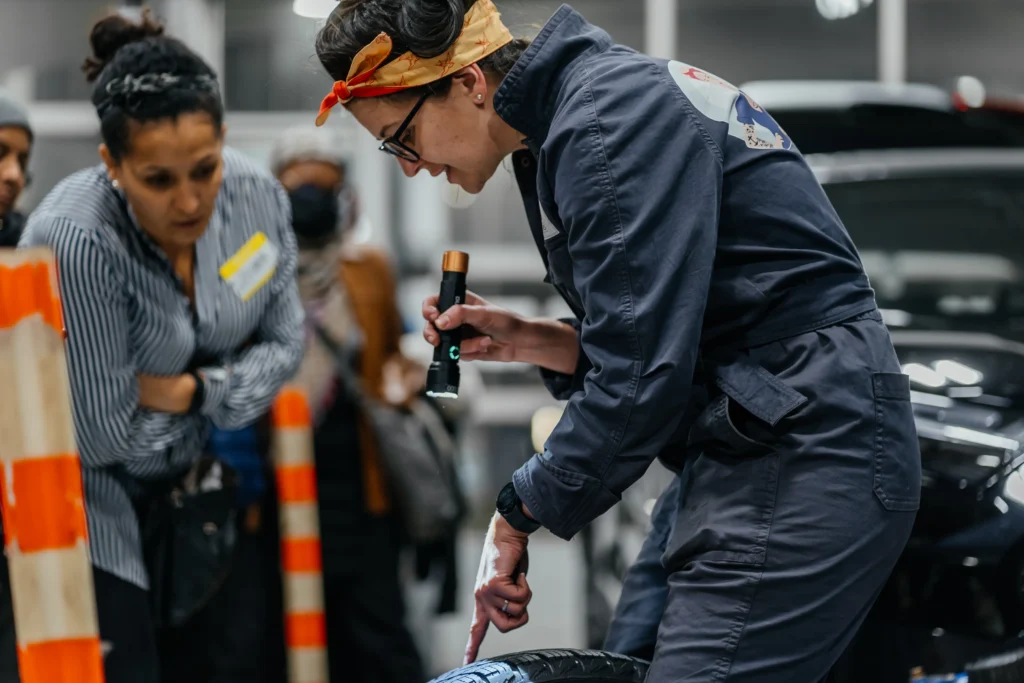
(934, 200)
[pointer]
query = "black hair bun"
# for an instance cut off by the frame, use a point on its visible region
(113, 32)
(429, 27)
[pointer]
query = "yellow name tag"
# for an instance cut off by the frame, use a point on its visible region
(251, 266)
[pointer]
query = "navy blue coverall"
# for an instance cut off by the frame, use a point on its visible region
(727, 327)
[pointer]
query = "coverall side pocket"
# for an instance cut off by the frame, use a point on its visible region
(897, 480)
(731, 486)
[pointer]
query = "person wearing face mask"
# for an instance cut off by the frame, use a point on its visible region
(177, 276)
(15, 148)
(348, 291)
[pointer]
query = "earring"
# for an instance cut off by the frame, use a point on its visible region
(479, 97)
(117, 185)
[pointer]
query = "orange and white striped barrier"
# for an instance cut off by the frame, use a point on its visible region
(305, 625)
(45, 533)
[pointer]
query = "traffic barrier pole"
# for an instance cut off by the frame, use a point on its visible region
(45, 532)
(305, 625)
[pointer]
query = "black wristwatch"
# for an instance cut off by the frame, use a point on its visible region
(197, 397)
(511, 508)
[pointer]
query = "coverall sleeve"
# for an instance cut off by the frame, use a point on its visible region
(110, 425)
(561, 385)
(638, 182)
(240, 396)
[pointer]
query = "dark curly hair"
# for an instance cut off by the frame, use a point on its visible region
(122, 49)
(427, 28)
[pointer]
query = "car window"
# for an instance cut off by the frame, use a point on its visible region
(946, 249)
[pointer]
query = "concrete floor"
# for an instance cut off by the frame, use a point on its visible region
(556, 612)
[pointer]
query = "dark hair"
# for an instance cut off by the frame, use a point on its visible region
(142, 75)
(427, 28)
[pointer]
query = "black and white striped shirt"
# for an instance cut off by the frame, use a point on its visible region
(126, 312)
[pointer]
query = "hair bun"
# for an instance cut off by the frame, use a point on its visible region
(429, 27)
(112, 33)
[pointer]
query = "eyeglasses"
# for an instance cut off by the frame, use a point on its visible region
(393, 143)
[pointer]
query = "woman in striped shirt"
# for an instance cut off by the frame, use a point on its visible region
(172, 255)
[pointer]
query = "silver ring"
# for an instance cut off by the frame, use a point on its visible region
(504, 608)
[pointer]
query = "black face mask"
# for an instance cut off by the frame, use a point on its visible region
(314, 213)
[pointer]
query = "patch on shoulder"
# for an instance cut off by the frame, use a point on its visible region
(721, 101)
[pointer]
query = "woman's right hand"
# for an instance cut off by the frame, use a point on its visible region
(490, 332)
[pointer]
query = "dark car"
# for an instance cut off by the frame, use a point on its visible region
(933, 197)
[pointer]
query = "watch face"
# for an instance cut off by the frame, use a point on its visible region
(506, 499)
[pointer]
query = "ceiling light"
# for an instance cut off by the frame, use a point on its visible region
(972, 90)
(841, 9)
(314, 9)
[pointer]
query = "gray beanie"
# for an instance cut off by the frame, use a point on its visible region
(306, 143)
(12, 113)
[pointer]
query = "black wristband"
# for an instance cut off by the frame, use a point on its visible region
(511, 508)
(197, 397)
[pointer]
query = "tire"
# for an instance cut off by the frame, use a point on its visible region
(1007, 668)
(552, 666)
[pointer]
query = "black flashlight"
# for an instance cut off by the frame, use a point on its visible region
(443, 376)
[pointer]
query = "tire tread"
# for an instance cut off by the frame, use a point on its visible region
(551, 666)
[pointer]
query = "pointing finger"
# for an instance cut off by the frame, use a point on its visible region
(476, 633)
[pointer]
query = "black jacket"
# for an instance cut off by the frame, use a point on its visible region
(11, 226)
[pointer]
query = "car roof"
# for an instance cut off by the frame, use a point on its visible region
(824, 94)
(844, 116)
(914, 163)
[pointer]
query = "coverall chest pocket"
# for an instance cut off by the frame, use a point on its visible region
(729, 498)
(897, 480)
(560, 271)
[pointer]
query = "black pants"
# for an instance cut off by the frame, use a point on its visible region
(367, 640)
(125, 628)
(237, 638)
(767, 553)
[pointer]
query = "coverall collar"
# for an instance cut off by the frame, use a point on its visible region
(527, 96)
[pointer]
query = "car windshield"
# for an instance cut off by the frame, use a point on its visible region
(941, 252)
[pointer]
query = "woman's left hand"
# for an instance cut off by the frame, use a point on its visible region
(500, 599)
(166, 394)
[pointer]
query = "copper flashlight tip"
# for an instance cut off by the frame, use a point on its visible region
(455, 262)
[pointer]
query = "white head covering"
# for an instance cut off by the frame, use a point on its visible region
(307, 143)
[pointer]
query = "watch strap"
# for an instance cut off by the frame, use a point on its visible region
(513, 512)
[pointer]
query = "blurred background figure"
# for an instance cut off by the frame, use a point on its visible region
(15, 148)
(352, 317)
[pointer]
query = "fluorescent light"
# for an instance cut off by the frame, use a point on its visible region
(958, 372)
(922, 374)
(314, 9)
(841, 9)
(971, 90)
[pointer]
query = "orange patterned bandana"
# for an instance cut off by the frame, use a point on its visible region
(482, 34)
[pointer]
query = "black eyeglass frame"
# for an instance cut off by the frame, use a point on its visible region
(393, 144)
